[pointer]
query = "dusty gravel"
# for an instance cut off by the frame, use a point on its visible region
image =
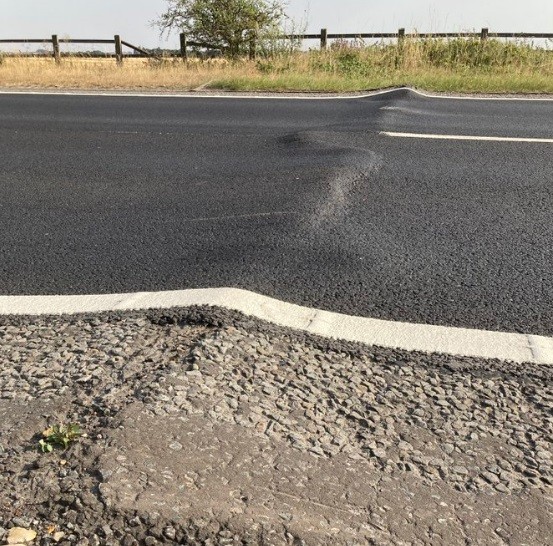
(205, 427)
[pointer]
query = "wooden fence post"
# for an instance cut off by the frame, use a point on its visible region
(324, 38)
(400, 36)
(118, 49)
(56, 46)
(183, 46)
(484, 34)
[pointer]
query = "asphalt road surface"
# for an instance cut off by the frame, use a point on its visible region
(305, 200)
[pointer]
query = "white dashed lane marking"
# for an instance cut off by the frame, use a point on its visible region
(467, 137)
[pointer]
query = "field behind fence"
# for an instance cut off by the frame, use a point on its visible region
(454, 62)
(323, 37)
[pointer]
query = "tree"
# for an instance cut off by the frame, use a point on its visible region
(229, 25)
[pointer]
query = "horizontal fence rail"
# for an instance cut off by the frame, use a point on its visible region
(324, 36)
(483, 35)
(377, 35)
(55, 42)
(118, 43)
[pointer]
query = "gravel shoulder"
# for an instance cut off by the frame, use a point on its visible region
(206, 427)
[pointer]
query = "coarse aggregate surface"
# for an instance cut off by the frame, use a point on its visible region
(204, 426)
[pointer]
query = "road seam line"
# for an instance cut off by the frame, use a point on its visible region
(312, 319)
(400, 335)
(541, 348)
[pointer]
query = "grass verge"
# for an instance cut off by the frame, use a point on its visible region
(463, 66)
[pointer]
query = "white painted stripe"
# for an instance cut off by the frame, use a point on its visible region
(467, 137)
(268, 96)
(195, 95)
(411, 337)
(477, 97)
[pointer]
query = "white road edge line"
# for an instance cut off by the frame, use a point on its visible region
(466, 137)
(194, 95)
(412, 337)
(274, 96)
(476, 97)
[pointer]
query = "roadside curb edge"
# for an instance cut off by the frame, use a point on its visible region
(520, 348)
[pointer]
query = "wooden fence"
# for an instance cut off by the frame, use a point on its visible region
(117, 42)
(55, 42)
(323, 37)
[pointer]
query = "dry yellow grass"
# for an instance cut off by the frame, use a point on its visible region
(436, 65)
(78, 73)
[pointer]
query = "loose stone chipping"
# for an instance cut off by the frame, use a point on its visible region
(154, 392)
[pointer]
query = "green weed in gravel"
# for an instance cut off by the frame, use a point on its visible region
(59, 436)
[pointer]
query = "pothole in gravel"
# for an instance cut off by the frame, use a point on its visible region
(203, 427)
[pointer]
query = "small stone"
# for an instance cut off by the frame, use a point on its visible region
(317, 451)
(405, 446)
(490, 477)
(20, 535)
(129, 540)
(58, 536)
(21, 522)
(460, 470)
(170, 532)
(433, 461)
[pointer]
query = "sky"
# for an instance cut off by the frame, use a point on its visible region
(132, 18)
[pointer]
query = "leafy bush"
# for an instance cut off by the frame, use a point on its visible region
(228, 25)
